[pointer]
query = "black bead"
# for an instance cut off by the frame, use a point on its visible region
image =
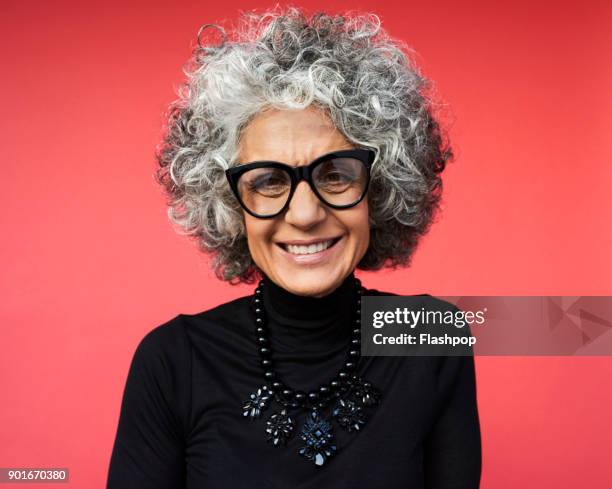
(264, 351)
(357, 332)
(299, 396)
(334, 384)
(266, 362)
(350, 365)
(343, 375)
(262, 340)
(259, 321)
(313, 396)
(269, 375)
(356, 342)
(287, 393)
(277, 385)
(354, 353)
(258, 291)
(324, 390)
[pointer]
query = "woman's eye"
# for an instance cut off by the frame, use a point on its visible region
(267, 184)
(336, 178)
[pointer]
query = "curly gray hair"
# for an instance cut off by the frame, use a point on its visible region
(347, 65)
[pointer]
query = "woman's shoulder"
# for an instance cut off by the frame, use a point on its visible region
(175, 336)
(222, 319)
(165, 340)
(226, 310)
(171, 342)
(226, 323)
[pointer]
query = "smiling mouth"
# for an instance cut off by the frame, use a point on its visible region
(309, 249)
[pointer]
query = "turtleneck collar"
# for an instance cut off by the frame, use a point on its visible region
(281, 302)
(309, 324)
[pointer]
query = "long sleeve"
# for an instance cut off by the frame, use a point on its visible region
(148, 451)
(453, 448)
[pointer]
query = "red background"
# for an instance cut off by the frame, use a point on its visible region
(90, 263)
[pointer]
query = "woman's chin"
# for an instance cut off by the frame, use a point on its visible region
(314, 282)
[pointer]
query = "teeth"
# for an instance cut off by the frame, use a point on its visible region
(307, 250)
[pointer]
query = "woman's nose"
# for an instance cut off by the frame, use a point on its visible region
(305, 208)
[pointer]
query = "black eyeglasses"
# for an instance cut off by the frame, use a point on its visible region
(339, 179)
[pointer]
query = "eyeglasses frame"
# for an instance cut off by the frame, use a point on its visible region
(299, 173)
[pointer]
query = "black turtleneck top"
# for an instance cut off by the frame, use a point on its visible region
(181, 423)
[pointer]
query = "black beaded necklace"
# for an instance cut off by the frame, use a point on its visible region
(347, 393)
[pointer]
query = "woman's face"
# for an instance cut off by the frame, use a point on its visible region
(297, 137)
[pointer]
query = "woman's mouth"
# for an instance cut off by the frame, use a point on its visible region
(309, 249)
(309, 253)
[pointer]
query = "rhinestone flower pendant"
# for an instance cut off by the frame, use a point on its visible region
(318, 439)
(366, 393)
(279, 428)
(257, 402)
(349, 415)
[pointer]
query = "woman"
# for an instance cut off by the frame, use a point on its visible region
(301, 149)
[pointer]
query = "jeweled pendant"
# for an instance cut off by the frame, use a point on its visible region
(279, 428)
(366, 393)
(318, 438)
(258, 401)
(349, 415)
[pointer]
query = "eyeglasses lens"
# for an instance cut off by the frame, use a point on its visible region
(340, 181)
(264, 191)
